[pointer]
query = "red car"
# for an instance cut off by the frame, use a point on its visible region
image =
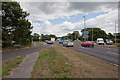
(88, 44)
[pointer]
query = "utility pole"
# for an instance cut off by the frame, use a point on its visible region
(92, 34)
(32, 32)
(115, 32)
(84, 27)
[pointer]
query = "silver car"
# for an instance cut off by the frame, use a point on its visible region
(68, 44)
(50, 42)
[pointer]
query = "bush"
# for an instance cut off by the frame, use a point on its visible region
(6, 44)
(117, 40)
(26, 42)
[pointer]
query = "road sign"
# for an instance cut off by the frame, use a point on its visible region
(85, 32)
(60, 38)
(15, 45)
(85, 36)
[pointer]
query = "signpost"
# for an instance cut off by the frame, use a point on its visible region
(16, 45)
(60, 38)
(85, 34)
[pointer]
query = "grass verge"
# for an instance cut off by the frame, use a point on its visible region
(34, 44)
(10, 64)
(51, 64)
(62, 62)
(38, 43)
(77, 42)
(108, 46)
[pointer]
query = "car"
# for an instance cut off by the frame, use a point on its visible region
(46, 41)
(109, 42)
(68, 43)
(88, 44)
(100, 41)
(61, 42)
(50, 42)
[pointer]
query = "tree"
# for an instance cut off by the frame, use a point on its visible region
(47, 37)
(110, 36)
(36, 37)
(73, 36)
(14, 25)
(97, 33)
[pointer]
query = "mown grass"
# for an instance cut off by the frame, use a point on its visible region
(108, 46)
(22, 46)
(77, 42)
(51, 64)
(14, 48)
(10, 64)
(38, 43)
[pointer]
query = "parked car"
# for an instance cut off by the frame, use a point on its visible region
(68, 43)
(50, 42)
(88, 44)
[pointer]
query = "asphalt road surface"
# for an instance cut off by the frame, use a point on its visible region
(14, 53)
(107, 54)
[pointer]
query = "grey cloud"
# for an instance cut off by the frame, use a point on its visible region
(46, 7)
(90, 6)
(49, 8)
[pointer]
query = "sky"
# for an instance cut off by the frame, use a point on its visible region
(61, 18)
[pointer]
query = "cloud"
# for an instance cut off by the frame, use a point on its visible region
(68, 27)
(43, 11)
(53, 10)
(67, 0)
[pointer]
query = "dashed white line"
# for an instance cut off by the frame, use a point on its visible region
(112, 53)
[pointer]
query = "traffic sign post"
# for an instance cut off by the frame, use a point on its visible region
(85, 34)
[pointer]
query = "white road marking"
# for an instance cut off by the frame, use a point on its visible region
(112, 53)
(114, 64)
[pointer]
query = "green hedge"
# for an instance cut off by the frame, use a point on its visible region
(6, 44)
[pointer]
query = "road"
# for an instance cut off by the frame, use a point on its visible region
(14, 53)
(107, 54)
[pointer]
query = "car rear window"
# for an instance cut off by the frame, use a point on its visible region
(90, 42)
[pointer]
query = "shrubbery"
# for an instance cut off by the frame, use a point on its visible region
(6, 44)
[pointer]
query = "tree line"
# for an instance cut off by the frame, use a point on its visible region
(42, 37)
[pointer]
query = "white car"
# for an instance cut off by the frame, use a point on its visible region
(100, 41)
(68, 44)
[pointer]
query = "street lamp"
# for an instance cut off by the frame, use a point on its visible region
(84, 27)
(115, 31)
(40, 32)
(92, 34)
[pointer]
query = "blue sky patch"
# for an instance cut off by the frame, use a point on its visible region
(75, 18)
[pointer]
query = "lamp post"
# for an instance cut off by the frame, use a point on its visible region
(84, 27)
(40, 32)
(92, 34)
(115, 31)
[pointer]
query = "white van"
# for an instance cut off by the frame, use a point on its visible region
(100, 41)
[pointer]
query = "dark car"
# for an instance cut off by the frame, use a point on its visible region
(88, 44)
(61, 42)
